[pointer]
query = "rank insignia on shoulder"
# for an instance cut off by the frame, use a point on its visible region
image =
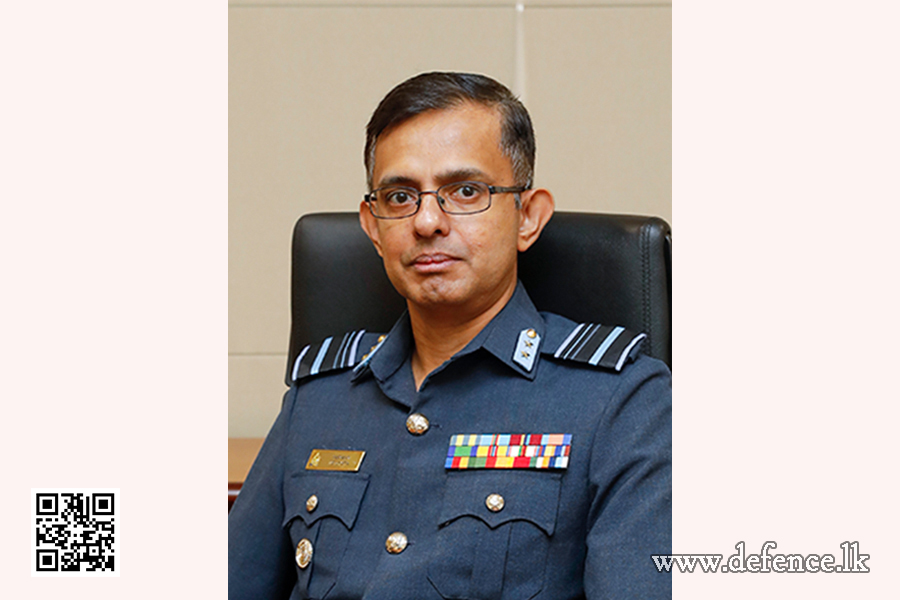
(331, 353)
(600, 345)
(509, 451)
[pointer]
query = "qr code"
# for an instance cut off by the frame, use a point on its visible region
(75, 532)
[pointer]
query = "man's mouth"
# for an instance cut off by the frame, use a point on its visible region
(433, 263)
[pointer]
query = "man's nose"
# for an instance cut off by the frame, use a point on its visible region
(431, 220)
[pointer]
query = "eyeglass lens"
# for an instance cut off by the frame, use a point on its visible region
(461, 197)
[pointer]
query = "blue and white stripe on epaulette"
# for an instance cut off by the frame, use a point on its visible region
(327, 355)
(600, 345)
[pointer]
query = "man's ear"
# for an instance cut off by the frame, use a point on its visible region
(537, 208)
(370, 226)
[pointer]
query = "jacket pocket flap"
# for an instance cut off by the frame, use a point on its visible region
(338, 495)
(526, 496)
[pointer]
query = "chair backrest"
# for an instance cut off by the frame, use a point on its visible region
(598, 268)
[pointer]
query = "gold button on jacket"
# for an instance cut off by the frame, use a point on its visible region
(495, 502)
(396, 543)
(304, 553)
(417, 424)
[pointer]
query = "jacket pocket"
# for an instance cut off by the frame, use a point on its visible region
(326, 522)
(498, 552)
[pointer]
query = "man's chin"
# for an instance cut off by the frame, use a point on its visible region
(436, 292)
(436, 300)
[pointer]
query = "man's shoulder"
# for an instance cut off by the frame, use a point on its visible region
(604, 347)
(335, 353)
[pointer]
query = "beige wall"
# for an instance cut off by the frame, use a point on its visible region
(304, 78)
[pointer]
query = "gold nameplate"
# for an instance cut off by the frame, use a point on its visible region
(335, 460)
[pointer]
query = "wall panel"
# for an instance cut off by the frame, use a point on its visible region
(600, 88)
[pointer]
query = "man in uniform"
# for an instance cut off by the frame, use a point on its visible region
(480, 449)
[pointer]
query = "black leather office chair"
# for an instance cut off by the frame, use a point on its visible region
(597, 268)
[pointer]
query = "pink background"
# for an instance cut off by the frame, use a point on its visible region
(785, 201)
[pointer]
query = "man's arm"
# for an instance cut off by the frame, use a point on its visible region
(630, 517)
(260, 561)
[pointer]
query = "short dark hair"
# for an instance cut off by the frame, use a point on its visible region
(438, 90)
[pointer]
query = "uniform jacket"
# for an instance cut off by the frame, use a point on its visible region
(584, 527)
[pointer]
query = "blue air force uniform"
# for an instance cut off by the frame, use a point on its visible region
(535, 463)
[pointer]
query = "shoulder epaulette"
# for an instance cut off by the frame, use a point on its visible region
(600, 345)
(332, 353)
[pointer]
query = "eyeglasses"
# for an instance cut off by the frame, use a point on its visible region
(458, 198)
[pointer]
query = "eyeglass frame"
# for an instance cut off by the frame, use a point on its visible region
(492, 189)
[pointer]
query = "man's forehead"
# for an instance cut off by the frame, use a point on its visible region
(449, 175)
(451, 141)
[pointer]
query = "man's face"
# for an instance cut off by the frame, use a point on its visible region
(436, 260)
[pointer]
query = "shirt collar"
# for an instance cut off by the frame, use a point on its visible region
(500, 337)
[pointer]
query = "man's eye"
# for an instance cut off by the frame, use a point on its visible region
(399, 197)
(464, 192)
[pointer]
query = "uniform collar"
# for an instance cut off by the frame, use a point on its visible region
(388, 356)
(502, 337)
